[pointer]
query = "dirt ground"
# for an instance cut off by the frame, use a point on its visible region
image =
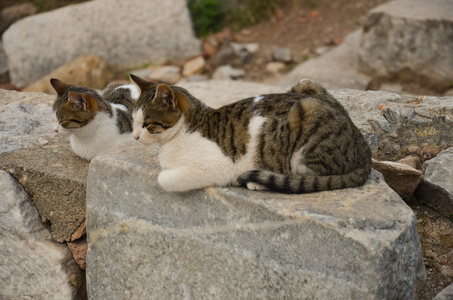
(306, 26)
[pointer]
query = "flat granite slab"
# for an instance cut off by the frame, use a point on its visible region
(229, 243)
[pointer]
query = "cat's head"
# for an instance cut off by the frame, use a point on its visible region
(74, 107)
(158, 112)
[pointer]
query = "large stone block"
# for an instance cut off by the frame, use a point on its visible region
(410, 39)
(229, 243)
(126, 33)
(31, 266)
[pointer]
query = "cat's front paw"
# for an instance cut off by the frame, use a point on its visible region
(255, 186)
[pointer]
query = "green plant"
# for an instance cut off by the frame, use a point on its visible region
(207, 16)
(251, 12)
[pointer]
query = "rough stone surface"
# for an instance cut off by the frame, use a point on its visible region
(226, 243)
(412, 160)
(79, 249)
(437, 187)
(409, 39)
(402, 178)
(395, 125)
(336, 69)
(446, 294)
(87, 70)
(31, 266)
(24, 119)
(124, 33)
(55, 178)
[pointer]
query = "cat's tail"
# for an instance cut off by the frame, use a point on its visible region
(298, 184)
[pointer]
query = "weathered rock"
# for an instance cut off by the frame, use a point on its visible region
(446, 294)
(282, 54)
(121, 32)
(11, 14)
(395, 126)
(193, 66)
(87, 70)
(409, 39)
(402, 178)
(437, 187)
(227, 72)
(227, 243)
(336, 69)
(167, 74)
(55, 178)
(79, 250)
(31, 266)
(21, 123)
(412, 160)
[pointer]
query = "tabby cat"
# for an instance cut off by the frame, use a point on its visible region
(296, 142)
(95, 122)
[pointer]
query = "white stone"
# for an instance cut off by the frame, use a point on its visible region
(126, 33)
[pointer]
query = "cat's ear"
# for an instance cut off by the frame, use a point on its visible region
(165, 96)
(59, 86)
(142, 84)
(78, 101)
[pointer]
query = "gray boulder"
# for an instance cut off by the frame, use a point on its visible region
(229, 243)
(337, 69)
(436, 189)
(31, 266)
(409, 39)
(126, 33)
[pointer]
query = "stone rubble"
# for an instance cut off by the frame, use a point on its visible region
(402, 178)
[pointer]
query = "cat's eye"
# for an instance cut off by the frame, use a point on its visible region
(160, 125)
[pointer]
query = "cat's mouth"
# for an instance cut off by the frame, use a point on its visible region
(73, 124)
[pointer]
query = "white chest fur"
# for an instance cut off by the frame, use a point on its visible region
(190, 161)
(99, 135)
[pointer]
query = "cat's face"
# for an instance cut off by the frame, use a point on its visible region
(73, 109)
(157, 112)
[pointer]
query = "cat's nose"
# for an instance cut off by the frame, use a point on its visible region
(56, 130)
(136, 137)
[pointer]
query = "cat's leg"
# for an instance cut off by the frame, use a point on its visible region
(184, 179)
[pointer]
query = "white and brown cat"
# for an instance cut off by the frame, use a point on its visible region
(95, 122)
(296, 142)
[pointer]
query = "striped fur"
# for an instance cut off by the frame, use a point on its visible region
(95, 122)
(296, 142)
